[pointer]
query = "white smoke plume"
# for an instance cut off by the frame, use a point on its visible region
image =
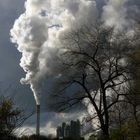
(38, 31)
(121, 14)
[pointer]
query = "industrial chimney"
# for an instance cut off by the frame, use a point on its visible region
(37, 120)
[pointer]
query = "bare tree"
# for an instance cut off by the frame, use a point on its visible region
(95, 71)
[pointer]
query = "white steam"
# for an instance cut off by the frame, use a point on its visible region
(118, 13)
(37, 34)
(38, 31)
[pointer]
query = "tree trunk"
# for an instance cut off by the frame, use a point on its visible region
(104, 129)
(106, 134)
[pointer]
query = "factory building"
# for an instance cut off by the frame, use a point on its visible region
(71, 130)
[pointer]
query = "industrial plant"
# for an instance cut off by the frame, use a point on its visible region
(72, 130)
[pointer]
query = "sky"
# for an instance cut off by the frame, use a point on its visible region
(9, 10)
(32, 31)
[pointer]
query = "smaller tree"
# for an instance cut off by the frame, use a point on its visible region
(11, 117)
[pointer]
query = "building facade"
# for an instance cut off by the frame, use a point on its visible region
(72, 130)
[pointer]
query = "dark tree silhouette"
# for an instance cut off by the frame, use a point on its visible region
(11, 117)
(95, 70)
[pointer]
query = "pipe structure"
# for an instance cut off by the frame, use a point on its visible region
(37, 121)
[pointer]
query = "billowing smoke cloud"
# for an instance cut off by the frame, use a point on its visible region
(28, 32)
(38, 31)
(121, 14)
(37, 34)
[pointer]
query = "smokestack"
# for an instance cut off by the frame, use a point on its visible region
(37, 120)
